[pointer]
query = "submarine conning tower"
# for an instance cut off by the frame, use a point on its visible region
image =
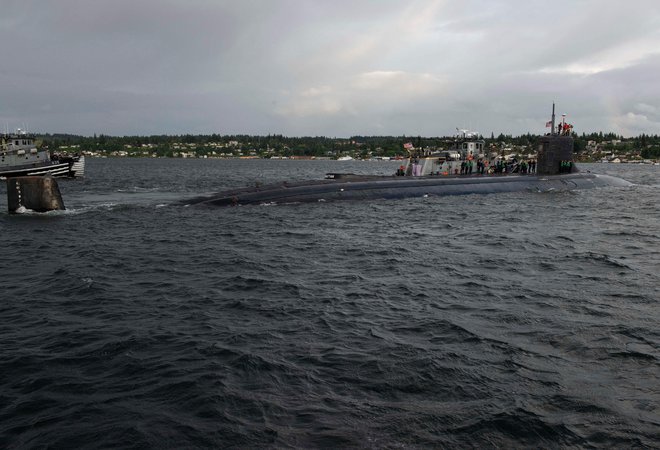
(555, 152)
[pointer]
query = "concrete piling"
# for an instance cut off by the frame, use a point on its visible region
(36, 193)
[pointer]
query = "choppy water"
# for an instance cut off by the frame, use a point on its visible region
(508, 320)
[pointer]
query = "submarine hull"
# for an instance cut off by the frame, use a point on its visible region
(355, 187)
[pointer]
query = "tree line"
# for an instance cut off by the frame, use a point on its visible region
(648, 146)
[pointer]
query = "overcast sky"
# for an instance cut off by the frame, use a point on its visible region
(329, 67)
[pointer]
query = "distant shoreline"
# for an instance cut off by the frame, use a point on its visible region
(594, 147)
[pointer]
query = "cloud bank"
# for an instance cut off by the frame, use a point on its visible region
(311, 67)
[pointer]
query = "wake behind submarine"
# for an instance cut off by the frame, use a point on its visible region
(436, 175)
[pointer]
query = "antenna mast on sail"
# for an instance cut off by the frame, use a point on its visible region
(552, 130)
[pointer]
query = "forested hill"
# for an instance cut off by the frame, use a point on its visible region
(644, 146)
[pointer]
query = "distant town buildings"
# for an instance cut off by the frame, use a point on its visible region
(588, 148)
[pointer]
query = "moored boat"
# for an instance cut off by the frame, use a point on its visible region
(19, 156)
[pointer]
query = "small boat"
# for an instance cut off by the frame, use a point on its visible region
(19, 156)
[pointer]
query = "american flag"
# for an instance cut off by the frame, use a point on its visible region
(408, 146)
(548, 124)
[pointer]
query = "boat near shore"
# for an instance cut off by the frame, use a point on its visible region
(19, 156)
(450, 172)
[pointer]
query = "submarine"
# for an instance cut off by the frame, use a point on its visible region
(436, 175)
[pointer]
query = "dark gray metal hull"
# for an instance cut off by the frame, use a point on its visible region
(355, 187)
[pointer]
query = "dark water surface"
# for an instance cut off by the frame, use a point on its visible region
(508, 320)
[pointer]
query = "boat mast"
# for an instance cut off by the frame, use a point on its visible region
(552, 130)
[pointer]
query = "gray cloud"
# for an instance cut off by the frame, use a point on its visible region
(311, 67)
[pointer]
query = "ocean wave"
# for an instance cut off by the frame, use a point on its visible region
(514, 320)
